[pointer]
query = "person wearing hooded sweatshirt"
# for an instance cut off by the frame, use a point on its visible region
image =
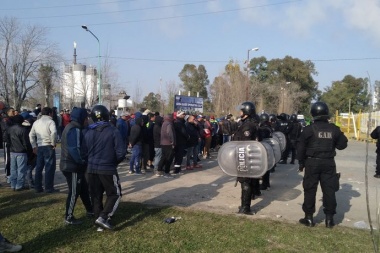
(105, 150)
(19, 146)
(135, 142)
(73, 164)
(168, 143)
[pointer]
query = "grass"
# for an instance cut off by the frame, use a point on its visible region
(36, 222)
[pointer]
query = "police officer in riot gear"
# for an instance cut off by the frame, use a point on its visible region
(283, 126)
(315, 152)
(295, 129)
(265, 131)
(246, 131)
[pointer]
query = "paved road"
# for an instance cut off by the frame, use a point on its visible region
(211, 190)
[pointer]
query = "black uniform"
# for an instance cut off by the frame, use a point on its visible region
(295, 129)
(283, 126)
(316, 152)
(265, 131)
(375, 134)
(246, 131)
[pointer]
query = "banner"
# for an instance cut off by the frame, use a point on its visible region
(186, 103)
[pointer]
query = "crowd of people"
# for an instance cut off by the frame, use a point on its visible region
(94, 142)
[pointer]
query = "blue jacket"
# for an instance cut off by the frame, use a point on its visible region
(104, 148)
(72, 156)
(123, 128)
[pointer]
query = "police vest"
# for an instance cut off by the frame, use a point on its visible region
(321, 144)
(246, 131)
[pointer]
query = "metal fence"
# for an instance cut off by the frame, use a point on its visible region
(356, 125)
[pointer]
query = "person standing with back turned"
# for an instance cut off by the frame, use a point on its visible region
(316, 151)
(105, 149)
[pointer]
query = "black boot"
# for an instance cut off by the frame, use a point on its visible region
(246, 193)
(329, 221)
(308, 220)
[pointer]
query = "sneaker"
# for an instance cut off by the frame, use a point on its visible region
(159, 174)
(103, 223)
(52, 191)
(131, 172)
(73, 221)
(7, 246)
(168, 175)
(178, 173)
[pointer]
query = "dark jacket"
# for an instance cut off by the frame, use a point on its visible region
(18, 139)
(181, 134)
(167, 132)
(375, 134)
(6, 122)
(72, 153)
(157, 131)
(193, 132)
(246, 131)
(264, 131)
(122, 126)
(104, 148)
(136, 137)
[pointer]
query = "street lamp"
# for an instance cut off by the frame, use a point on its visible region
(99, 66)
(247, 88)
(283, 92)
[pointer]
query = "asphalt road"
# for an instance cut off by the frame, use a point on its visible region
(209, 189)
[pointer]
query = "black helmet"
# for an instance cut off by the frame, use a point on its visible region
(319, 110)
(248, 108)
(283, 116)
(100, 113)
(272, 118)
(293, 118)
(264, 117)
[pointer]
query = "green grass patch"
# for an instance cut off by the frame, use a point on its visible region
(36, 222)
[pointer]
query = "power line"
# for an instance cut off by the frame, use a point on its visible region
(64, 6)
(183, 16)
(110, 12)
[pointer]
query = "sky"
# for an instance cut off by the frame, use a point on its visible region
(149, 41)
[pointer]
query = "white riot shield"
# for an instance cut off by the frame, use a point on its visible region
(270, 154)
(243, 159)
(281, 139)
(276, 148)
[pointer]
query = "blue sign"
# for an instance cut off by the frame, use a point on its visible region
(186, 103)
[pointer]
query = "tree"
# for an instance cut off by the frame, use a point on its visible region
(376, 95)
(349, 94)
(23, 49)
(46, 75)
(152, 102)
(228, 89)
(194, 79)
(276, 73)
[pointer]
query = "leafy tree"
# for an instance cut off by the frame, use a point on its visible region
(152, 102)
(194, 79)
(349, 94)
(276, 73)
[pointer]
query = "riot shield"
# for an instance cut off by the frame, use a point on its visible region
(270, 154)
(281, 139)
(243, 159)
(276, 148)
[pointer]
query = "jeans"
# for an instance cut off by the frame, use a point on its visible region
(157, 157)
(191, 152)
(18, 169)
(134, 163)
(45, 158)
(226, 138)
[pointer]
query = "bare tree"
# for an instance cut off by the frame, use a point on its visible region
(23, 49)
(171, 89)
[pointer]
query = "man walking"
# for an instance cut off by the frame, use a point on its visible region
(73, 164)
(105, 149)
(43, 136)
